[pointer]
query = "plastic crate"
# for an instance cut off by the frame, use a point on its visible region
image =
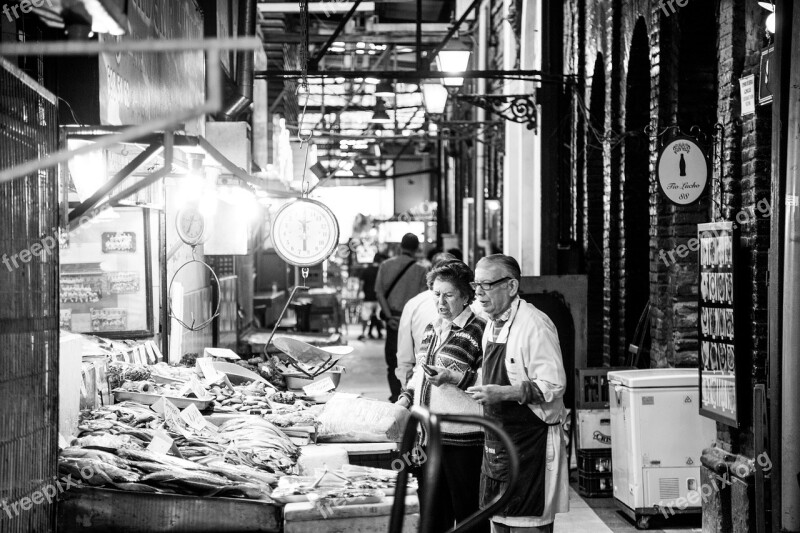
(595, 485)
(591, 387)
(594, 462)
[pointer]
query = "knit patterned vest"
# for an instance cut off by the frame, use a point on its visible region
(461, 352)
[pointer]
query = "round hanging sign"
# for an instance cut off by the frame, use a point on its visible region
(682, 170)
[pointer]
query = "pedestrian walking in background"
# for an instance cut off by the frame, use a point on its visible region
(369, 305)
(399, 279)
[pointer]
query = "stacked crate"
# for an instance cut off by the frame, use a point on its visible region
(593, 432)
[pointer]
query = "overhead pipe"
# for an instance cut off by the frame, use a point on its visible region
(480, 147)
(245, 64)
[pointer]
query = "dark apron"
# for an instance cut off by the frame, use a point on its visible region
(529, 434)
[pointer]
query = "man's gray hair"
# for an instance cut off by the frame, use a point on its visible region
(506, 262)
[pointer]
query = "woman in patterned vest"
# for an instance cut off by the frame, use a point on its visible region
(447, 364)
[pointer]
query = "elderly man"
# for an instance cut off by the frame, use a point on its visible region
(522, 386)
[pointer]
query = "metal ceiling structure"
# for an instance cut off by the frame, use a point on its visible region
(352, 46)
(325, 59)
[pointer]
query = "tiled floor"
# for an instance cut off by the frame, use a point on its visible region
(366, 374)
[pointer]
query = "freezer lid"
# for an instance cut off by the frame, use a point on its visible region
(655, 378)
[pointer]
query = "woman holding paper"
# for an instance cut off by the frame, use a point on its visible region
(447, 363)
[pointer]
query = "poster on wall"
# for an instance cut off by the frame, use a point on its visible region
(716, 320)
(118, 242)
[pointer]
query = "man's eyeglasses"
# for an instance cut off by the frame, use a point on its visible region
(487, 285)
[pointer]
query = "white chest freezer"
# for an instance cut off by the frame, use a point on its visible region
(657, 438)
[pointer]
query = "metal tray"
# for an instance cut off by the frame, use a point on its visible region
(150, 399)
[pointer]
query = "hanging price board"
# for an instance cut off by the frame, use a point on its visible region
(720, 388)
(682, 170)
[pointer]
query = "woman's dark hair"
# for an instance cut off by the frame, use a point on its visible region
(457, 273)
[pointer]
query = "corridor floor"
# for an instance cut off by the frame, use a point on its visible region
(366, 375)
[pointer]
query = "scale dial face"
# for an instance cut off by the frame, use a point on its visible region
(191, 225)
(305, 232)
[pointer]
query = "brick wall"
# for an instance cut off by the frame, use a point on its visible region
(697, 55)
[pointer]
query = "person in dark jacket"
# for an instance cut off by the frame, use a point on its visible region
(369, 304)
(399, 279)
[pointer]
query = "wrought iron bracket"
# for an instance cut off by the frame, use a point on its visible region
(520, 108)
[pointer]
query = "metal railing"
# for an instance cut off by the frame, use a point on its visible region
(433, 452)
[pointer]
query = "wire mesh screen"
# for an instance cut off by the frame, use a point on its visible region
(28, 307)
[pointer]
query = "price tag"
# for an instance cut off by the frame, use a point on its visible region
(223, 353)
(157, 352)
(198, 389)
(171, 414)
(137, 356)
(193, 417)
(158, 406)
(151, 355)
(319, 387)
(161, 443)
(211, 427)
(185, 388)
(207, 368)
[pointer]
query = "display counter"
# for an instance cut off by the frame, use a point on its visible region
(304, 517)
(91, 509)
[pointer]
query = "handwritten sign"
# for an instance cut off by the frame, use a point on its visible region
(193, 417)
(161, 443)
(718, 392)
(223, 353)
(185, 389)
(206, 365)
(747, 90)
(682, 171)
(319, 387)
(118, 242)
(198, 389)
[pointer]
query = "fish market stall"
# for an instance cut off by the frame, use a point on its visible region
(218, 446)
(127, 458)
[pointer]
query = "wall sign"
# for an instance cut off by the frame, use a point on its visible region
(719, 397)
(765, 75)
(747, 88)
(118, 242)
(137, 87)
(682, 170)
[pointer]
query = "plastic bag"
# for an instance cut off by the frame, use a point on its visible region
(348, 418)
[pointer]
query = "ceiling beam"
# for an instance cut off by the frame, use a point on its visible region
(399, 38)
(314, 63)
(326, 7)
(400, 75)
